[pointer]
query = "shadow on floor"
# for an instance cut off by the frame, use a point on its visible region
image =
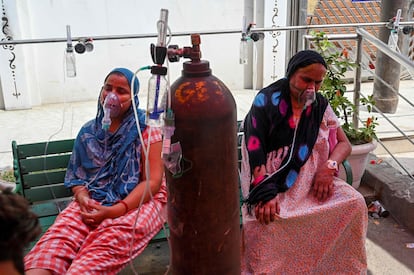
(153, 261)
(387, 247)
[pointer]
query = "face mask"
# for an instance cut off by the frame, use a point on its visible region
(112, 108)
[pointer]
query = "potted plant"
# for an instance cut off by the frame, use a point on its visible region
(362, 136)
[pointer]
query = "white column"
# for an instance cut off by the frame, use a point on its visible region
(12, 65)
(275, 53)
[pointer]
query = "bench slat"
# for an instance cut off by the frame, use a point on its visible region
(51, 208)
(47, 193)
(44, 163)
(38, 149)
(46, 178)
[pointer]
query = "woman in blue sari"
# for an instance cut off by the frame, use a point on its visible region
(117, 206)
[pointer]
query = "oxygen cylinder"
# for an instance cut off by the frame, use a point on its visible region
(203, 202)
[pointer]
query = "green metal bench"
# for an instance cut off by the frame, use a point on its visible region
(39, 169)
(39, 173)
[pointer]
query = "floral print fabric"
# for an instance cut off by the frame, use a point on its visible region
(312, 237)
(270, 126)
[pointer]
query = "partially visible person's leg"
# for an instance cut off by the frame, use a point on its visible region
(109, 248)
(56, 249)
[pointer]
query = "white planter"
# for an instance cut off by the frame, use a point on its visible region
(358, 161)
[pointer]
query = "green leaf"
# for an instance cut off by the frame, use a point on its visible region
(333, 88)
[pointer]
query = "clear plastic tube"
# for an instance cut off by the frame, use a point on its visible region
(157, 95)
(289, 158)
(70, 63)
(243, 51)
(106, 120)
(162, 28)
(70, 60)
(393, 40)
(243, 43)
(310, 97)
(168, 132)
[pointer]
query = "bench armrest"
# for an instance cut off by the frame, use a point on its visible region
(348, 171)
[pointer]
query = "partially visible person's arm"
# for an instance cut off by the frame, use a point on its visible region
(81, 195)
(323, 181)
(269, 211)
(140, 192)
(156, 167)
(343, 147)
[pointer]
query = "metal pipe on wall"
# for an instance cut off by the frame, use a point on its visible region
(212, 32)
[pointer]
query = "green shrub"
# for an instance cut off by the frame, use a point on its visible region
(7, 175)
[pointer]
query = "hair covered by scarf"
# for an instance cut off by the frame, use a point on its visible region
(303, 59)
(108, 164)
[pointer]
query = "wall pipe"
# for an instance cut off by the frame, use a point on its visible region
(230, 31)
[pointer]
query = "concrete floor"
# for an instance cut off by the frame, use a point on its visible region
(386, 245)
(387, 248)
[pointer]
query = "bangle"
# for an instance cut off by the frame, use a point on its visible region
(125, 205)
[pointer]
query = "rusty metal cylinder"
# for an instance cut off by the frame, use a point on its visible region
(203, 202)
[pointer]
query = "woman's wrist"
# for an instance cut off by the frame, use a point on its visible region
(79, 190)
(125, 205)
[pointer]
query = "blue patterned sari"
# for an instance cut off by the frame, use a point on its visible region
(108, 164)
